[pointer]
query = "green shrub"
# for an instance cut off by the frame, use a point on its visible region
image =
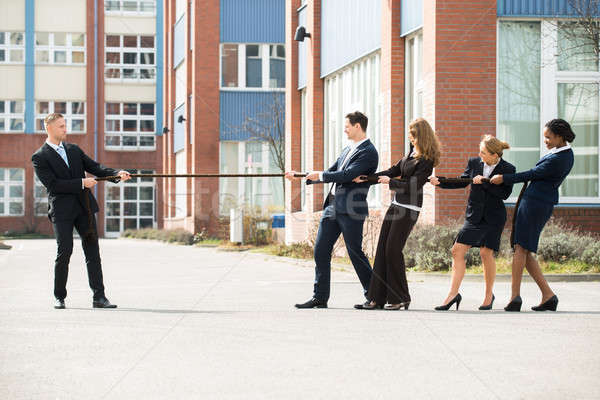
(591, 255)
(296, 250)
(170, 236)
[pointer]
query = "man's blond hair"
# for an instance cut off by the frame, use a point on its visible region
(52, 117)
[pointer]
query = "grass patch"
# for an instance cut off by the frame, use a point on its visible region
(19, 235)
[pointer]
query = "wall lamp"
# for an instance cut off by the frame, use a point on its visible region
(180, 119)
(301, 34)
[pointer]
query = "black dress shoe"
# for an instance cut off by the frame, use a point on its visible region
(445, 307)
(514, 305)
(312, 303)
(489, 306)
(548, 305)
(367, 305)
(103, 303)
(59, 304)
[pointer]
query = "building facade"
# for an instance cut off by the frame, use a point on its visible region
(99, 63)
(224, 97)
(469, 68)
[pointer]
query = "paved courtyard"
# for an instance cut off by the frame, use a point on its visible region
(196, 323)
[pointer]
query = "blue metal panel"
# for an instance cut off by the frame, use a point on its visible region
(178, 129)
(350, 29)
(29, 66)
(411, 16)
(537, 8)
(159, 68)
(236, 107)
(252, 21)
(179, 41)
(302, 51)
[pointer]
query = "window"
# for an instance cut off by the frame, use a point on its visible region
(59, 48)
(557, 76)
(73, 111)
(130, 205)
(303, 148)
(12, 114)
(414, 81)
(12, 47)
(12, 191)
(129, 126)
(251, 157)
(356, 87)
(252, 66)
(40, 198)
(130, 57)
(130, 6)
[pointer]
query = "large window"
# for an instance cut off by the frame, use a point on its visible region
(40, 198)
(130, 57)
(130, 6)
(12, 191)
(129, 126)
(414, 81)
(354, 88)
(130, 205)
(73, 111)
(252, 66)
(12, 47)
(251, 157)
(548, 69)
(12, 114)
(59, 48)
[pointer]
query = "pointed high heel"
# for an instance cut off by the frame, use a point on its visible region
(548, 305)
(457, 299)
(397, 306)
(489, 306)
(514, 305)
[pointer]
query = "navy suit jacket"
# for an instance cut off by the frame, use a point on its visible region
(485, 200)
(546, 177)
(64, 182)
(350, 197)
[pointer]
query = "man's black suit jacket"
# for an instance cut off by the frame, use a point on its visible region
(65, 193)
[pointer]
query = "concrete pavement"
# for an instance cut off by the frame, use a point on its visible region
(196, 323)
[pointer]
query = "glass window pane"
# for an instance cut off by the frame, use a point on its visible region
(16, 55)
(147, 6)
(112, 225)
(16, 124)
(130, 193)
(1, 208)
(229, 65)
(253, 66)
(146, 193)
(41, 39)
(147, 109)
(60, 39)
(113, 41)
(147, 73)
(77, 125)
(113, 73)
(15, 191)
(40, 191)
(16, 38)
(15, 208)
(60, 57)
(112, 140)
(60, 107)
(113, 125)
(130, 140)
(1, 192)
(39, 125)
(130, 5)
(77, 39)
(2, 38)
(147, 141)
(147, 58)
(129, 58)
(113, 209)
(78, 57)
(575, 48)
(130, 108)
(43, 107)
(1, 109)
(41, 208)
(2, 55)
(113, 192)
(129, 73)
(146, 209)
(77, 107)
(146, 223)
(147, 126)
(17, 107)
(2, 124)
(578, 104)
(129, 125)
(130, 223)
(41, 56)
(16, 174)
(276, 70)
(113, 108)
(130, 209)
(129, 41)
(147, 41)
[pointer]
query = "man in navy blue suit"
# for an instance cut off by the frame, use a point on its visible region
(345, 208)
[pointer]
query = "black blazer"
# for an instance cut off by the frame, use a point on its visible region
(485, 200)
(414, 173)
(350, 197)
(64, 183)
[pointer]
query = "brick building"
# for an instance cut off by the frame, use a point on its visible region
(469, 67)
(98, 63)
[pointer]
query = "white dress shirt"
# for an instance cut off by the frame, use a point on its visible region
(487, 169)
(555, 150)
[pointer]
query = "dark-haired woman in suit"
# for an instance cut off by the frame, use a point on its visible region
(484, 220)
(388, 282)
(535, 208)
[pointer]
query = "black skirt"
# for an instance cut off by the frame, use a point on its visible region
(481, 234)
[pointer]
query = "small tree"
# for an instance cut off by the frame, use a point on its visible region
(581, 34)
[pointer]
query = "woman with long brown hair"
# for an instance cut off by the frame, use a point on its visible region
(388, 283)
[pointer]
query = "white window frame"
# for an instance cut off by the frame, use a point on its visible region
(9, 47)
(137, 183)
(263, 50)
(138, 117)
(122, 11)
(51, 48)
(137, 67)
(69, 116)
(7, 116)
(414, 85)
(39, 201)
(6, 183)
(550, 77)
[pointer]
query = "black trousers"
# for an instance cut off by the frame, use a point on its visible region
(388, 283)
(63, 229)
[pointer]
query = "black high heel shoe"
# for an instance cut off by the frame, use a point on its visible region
(548, 305)
(397, 306)
(489, 306)
(457, 299)
(514, 305)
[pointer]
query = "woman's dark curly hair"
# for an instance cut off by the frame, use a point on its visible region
(561, 128)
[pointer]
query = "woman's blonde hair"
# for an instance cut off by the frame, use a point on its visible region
(494, 145)
(427, 142)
